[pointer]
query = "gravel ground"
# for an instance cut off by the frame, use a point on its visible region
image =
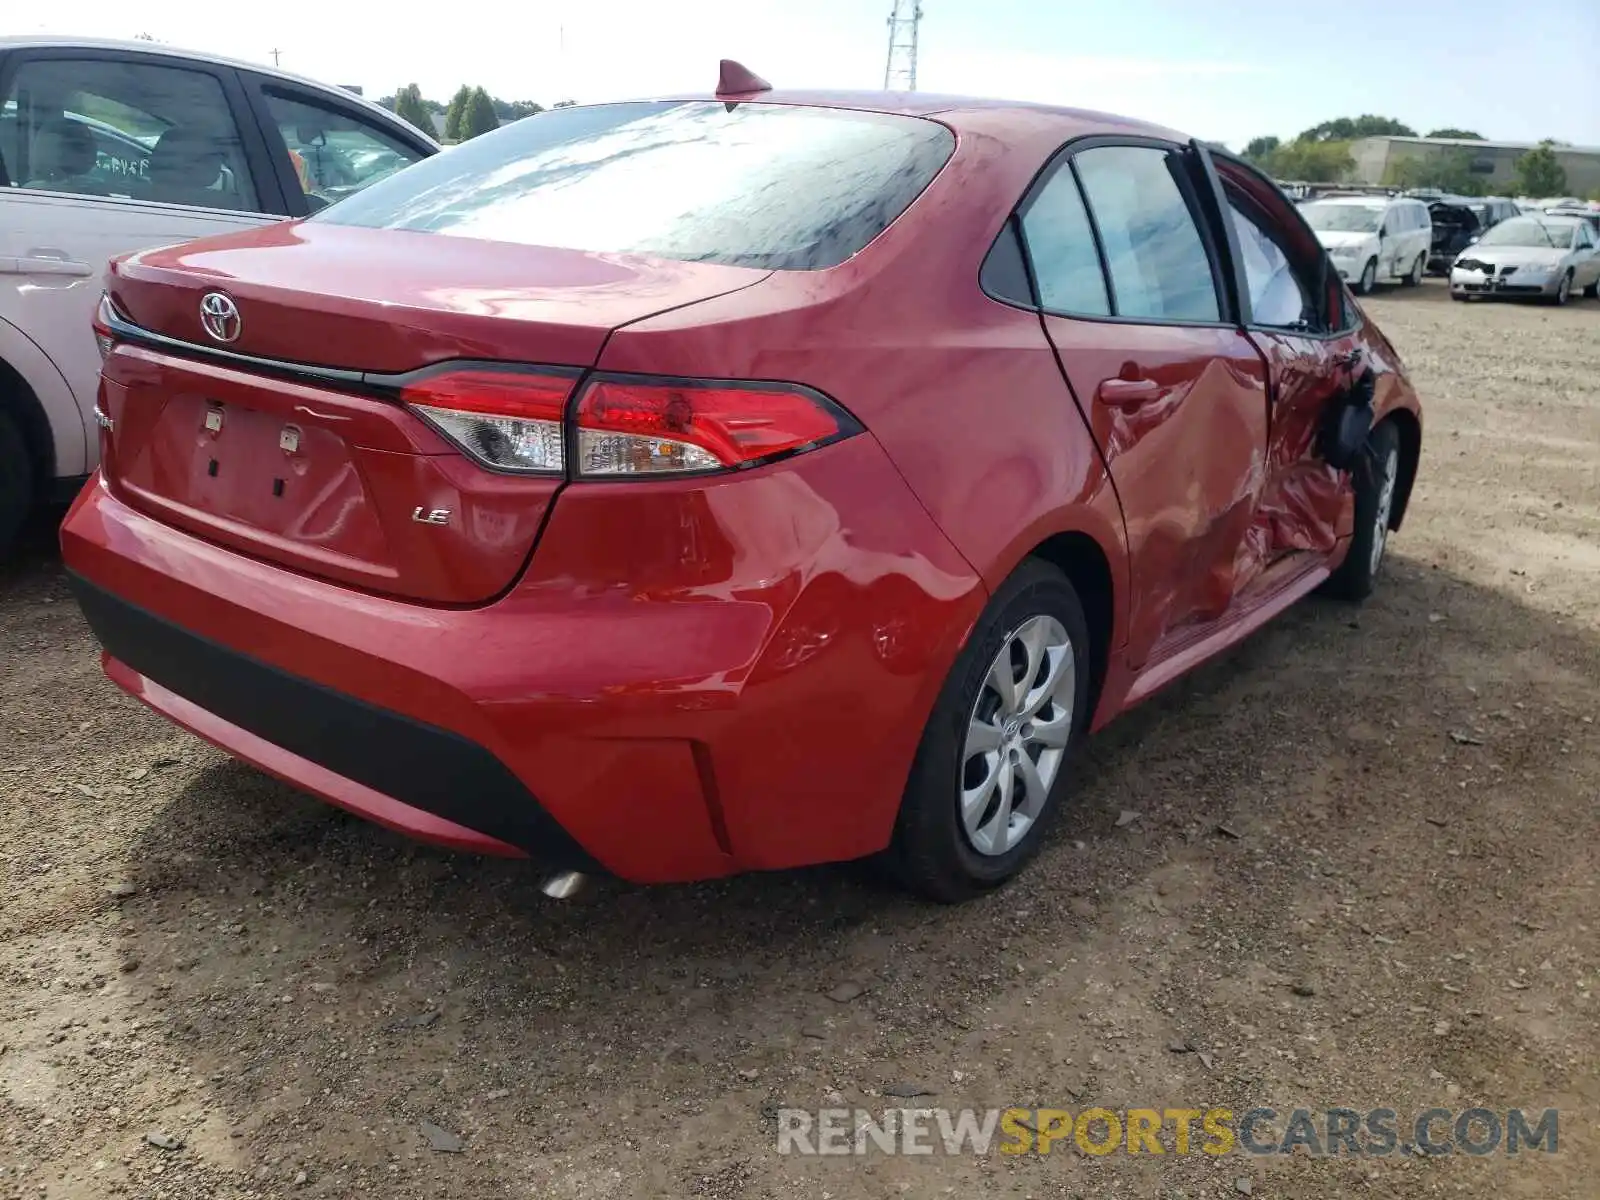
(1402, 913)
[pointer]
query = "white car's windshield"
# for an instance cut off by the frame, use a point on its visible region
(1525, 231)
(1342, 218)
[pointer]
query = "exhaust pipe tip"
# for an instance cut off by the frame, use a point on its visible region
(564, 885)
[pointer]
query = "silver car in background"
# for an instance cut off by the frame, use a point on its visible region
(1536, 256)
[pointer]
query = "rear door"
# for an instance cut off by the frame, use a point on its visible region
(1174, 393)
(107, 152)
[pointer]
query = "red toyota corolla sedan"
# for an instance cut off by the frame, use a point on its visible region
(696, 486)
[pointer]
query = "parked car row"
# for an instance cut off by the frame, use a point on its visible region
(683, 487)
(110, 147)
(1488, 247)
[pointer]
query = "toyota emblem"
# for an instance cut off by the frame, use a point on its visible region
(220, 316)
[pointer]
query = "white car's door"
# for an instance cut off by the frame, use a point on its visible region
(54, 249)
(105, 154)
(1391, 243)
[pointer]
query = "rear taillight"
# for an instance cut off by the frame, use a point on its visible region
(625, 426)
(632, 426)
(103, 337)
(509, 420)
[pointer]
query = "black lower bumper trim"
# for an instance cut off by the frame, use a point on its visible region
(416, 763)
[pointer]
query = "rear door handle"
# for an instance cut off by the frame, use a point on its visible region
(1128, 393)
(45, 262)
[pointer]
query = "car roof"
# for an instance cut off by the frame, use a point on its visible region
(1364, 201)
(137, 46)
(953, 110)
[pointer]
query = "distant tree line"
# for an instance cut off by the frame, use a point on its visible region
(471, 111)
(1321, 154)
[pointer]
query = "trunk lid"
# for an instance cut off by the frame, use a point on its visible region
(320, 474)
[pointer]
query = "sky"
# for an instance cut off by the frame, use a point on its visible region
(1226, 70)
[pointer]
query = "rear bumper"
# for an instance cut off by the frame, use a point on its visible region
(401, 773)
(732, 676)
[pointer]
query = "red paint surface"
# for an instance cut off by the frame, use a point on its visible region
(705, 675)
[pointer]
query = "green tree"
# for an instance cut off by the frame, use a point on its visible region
(1257, 149)
(1310, 161)
(1346, 129)
(408, 106)
(1465, 135)
(454, 114)
(479, 116)
(564, 104)
(1540, 173)
(514, 110)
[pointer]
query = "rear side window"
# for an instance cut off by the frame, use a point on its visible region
(1157, 260)
(770, 186)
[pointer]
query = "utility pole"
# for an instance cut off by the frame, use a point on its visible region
(274, 54)
(900, 72)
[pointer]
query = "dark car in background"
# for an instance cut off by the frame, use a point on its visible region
(1457, 220)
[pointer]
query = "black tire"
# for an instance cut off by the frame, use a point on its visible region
(931, 853)
(1563, 291)
(1414, 279)
(1358, 573)
(1592, 292)
(1368, 279)
(16, 482)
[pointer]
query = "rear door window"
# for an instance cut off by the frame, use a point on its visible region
(118, 127)
(772, 186)
(1156, 257)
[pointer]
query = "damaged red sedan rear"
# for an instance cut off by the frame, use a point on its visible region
(686, 487)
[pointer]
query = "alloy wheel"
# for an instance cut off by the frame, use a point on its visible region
(1017, 735)
(1380, 520)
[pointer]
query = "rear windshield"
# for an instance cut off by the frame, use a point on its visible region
(752, 185)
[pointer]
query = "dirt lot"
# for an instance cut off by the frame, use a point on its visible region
(189, 948)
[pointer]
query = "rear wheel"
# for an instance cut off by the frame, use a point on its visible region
(1592, 292)
(1376, 476)
(1417, 268)
(1369, 278)
(991, 766)
(16, 481)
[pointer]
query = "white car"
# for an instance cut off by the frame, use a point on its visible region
(109, 147)
(1544, 257)
(1373, 239)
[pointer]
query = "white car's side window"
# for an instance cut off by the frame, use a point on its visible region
(333, 152)
(116, 127)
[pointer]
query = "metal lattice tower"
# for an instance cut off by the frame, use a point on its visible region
(900, 73)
